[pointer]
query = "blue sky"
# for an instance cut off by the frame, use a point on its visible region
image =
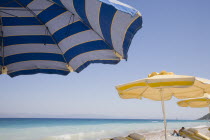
(175, 37)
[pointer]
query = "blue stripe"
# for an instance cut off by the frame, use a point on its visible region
(1, 41)
(33, 56)
(107, 13)
(36, 71)
(58, 2)
(19, 21)
(49, 14)
(25, 2)
(1, 61)
(69, 30)
(96, 61)
(6, 3)
(79, 6)
(86, 47)
(41, 39)
(134, 27)
(3, 2)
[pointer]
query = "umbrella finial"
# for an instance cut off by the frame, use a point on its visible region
(4, 70)
(153, 74)
(119, 55)
(70, 68)
(161, 73)
(166, 73)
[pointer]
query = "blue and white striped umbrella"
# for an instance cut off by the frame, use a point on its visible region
(61, 36)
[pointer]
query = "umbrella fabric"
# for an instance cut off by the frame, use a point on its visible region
(59, 36)
(180, 86)
(196, 102)
(162, 86)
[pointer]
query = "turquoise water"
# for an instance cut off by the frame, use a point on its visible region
(82, 129)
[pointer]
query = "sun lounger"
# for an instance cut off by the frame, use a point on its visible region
(136, 136)
(120, 138)
(193, 134)
(128, 138)
(133, 136)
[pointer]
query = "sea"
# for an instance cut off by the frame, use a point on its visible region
(83, 129)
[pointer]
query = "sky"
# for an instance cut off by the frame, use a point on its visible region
(175, 37)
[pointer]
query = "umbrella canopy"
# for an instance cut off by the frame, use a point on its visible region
(179, 86)
(196, 102)
(162, 86)
(61, 36)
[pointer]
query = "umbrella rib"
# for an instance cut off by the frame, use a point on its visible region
(2, 40)
(200, 88)
(144, 91)
(115, 52)
(68, 66)
(16, 16)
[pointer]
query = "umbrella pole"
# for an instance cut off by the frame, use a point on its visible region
(164, 114)
(209, 108)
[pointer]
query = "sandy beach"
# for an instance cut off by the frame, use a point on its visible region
(160, 135)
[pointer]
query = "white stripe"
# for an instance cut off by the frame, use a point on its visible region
(202, 80)
(24, 30)
(37, 64)
(119, 28)
(31, 48)
(39, 4)
(70, 6)
(169, 78)
(93, 55)
(77, 39)
(60, 21)
(93, 11)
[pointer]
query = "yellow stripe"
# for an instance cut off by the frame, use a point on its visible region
(171, 83)
(194, 103)
(195, 100)
(198, 100)
(143, 84)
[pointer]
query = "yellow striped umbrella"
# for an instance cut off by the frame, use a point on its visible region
(196, 102)
(162, 86)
